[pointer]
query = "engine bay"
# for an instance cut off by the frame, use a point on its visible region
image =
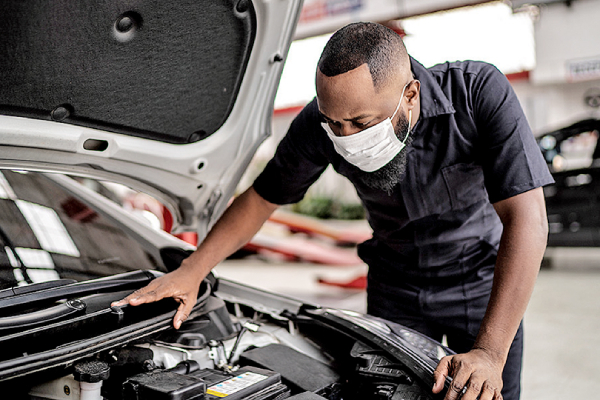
(231, 351)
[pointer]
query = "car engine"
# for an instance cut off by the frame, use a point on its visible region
(232, 351)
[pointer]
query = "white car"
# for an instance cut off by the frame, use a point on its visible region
(171, 99)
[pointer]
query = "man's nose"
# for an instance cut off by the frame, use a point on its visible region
(347, 129)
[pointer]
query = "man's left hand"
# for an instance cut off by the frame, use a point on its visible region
(476, 374)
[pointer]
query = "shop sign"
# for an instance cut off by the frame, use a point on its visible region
(583, 70)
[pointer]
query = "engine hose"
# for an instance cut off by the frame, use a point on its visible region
(235, 346)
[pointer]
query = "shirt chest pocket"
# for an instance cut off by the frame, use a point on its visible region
(465, 184)
(455, 188)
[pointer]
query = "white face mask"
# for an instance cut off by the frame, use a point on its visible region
(371, 148)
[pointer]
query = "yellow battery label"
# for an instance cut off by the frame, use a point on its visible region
(234, 385)
(210, 391)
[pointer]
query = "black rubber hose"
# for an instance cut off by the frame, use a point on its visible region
(186, 367)
(43, 316)
(235, 346)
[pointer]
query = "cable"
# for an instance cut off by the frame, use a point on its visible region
(235, 346)
(201, 300)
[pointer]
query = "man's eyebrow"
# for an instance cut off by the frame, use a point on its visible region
(362, 116)
(359, 117)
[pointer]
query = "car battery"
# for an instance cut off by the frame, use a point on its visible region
(207, 384)
(163, 385)
(244, 383)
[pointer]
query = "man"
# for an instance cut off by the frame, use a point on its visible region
(450, 175)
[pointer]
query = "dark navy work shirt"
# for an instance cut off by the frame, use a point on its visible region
(472, 147)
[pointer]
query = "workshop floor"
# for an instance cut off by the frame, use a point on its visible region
(562, 324)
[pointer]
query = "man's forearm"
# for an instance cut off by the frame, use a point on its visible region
(240, 222)
(478, 373)
(519, 257)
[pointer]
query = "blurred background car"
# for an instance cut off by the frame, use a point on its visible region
(573, 202)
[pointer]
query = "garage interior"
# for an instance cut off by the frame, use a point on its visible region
(561, 359)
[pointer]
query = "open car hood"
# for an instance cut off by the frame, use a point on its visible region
(171, 99)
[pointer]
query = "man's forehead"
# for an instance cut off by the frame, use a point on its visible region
(357, 78)
(348, 108)
(351, 95)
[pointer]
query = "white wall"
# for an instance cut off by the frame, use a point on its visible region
(565, 35)
(552, 98)
(551, 106)
(322, 16)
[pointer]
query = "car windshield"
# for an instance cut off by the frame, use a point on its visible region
(46, 233)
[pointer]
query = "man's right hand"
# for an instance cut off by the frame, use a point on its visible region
(235, 228)
(181, 284)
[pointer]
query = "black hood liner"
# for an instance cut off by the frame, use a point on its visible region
(161, 70)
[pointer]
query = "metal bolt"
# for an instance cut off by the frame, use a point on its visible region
(194, 137)
(60, 113)
(242, 6)
(125, 24)
(148, 365)
(78, 304)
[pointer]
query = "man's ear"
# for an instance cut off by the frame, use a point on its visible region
(412, 93)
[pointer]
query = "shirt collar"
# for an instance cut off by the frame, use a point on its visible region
(433, 100)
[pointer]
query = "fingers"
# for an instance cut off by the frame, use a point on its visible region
(141, 296)
(472, 389)
(440, 374)
(459, 387)
(470, 380)
(180, 287)
(490, 393)
(183, 312)
(481, 391)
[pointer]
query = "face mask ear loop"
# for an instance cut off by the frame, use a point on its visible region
(400, 102)
(409, 124)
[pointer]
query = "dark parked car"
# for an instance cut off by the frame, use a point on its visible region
(171, 99)
(573, 202)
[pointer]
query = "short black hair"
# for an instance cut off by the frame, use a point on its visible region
(360, 43)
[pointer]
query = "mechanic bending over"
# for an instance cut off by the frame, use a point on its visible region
(450, 175)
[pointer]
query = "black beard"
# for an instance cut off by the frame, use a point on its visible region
(388, 176)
